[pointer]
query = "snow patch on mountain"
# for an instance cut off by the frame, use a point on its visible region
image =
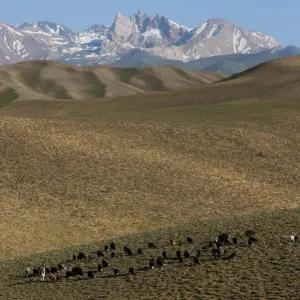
(200, 29)
(211, 33)
(152, 32)
(239, 42)
(37, 32)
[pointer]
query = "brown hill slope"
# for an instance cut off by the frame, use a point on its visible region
(46, 80)
(74, 172)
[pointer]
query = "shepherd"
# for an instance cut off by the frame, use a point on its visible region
(27, 271)
(43, 273)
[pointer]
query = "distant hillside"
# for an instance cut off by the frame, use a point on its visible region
(46, 80)
(225, 64)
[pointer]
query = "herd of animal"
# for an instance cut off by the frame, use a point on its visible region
(103, 258)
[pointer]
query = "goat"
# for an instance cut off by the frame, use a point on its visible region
(77, 271)
(100, 253)
(151, 245)
(189, 240)
(186, 254)
(251, 240)
(105, 263)
(160, 262)
(113, 246)
(99, 268)
(91, 274)
(81, 255)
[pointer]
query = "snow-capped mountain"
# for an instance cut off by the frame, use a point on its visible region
(102, 44)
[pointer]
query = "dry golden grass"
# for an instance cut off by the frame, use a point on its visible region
(77, 172)
(49, 80)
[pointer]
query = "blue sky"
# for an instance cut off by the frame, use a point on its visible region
(278, 18)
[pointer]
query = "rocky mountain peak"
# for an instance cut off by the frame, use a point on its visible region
(104, 44)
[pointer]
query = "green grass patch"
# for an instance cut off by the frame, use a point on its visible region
(8, 95)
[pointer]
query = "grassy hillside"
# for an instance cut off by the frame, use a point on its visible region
(197, 162)
(267, 270)
(49, 80)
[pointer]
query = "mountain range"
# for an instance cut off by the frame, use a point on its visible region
(142, 40)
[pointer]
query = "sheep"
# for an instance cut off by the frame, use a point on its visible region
(211, 243)
(125, 249)
(116, 272)
(105, 263)
(216, 252)
(227, 242)
(186, 254)
(196, 261)
(53, 270)
(81, 255)
(198, 253)
(223, 237)
(131, 271)
(77, 271)
(100, 253)
(293, 238)
(151, 245)
(151, 264)
(113, 246)
(251, 240)
(69, 274)
(189, 240)
(100, 269)
(52, 277)
(219, 245)
(140, 251)
(61, 267)
(128, 251)
(91, 274)
(160, 262)
(59, 277)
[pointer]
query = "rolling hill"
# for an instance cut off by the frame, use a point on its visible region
(48, 80)
(154, 166)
